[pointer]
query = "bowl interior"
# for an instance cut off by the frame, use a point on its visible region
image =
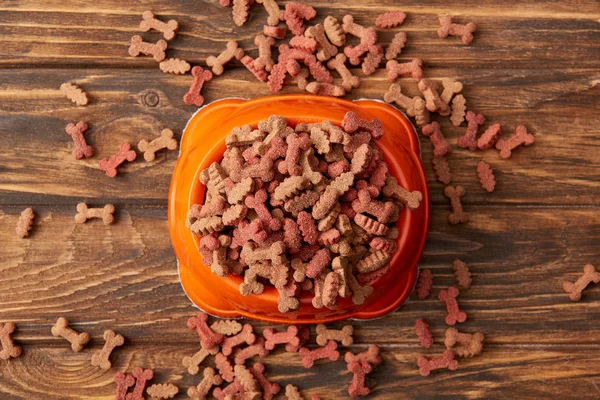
(204, 142)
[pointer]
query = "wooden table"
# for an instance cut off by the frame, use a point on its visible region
(533, 64)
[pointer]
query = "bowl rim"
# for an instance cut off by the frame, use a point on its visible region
(357, 314)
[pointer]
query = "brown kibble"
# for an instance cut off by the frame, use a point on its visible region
(413, 68)
(101, 358)
(25, 222)
(390, 19)
(325, 89)
(448, 28)
(174, 66)
(246, 379)
(81, 149)
(421, 112)
(225, 367)
(352, 123)
(209, 380)
(521, 137)
(168, 29)
(427, 365)
(329, 198)
(423, 333)
(138, 46)
(459, 108)
(290, 187)
(486, 176)
(9, 349)
(359, 292)
(451, 87)
(371, 355)
(394, 95)
(277, 32)
(227, 327)
(105, 213)
(241, 11)
(164, 141)
(243, 136)
(442, 169)
(257, 349)
(74, 93)
(162, 391)
(424, 284)
(395, 47)
(433, 101)
(194, 95)
(464, 344)
(454, 314)
(193, 363)
(205, 226)
(77, 340)
(575, 289)
(325, 49)
(264, 59)
(293, 393)
(245, 336)
(302, 78)
(217, 63)
(275, 14)
(208, 338)
(361, 159)
(240, 191)
(110, 165)
(462, 274)
(392, 189)
(374, 261)
(349, 81)
(334, 31)
(343, 336)
(457, 216)
(372, 60)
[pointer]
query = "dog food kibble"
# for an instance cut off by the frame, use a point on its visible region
(162, 391)
(521, 138)
(217, 63)
(110, 165)
(424, 284)
(489, 138)
(423, 333)
(343, 336)
(449, 296)
(74, 93)
(77, 340)
(227, 327)
(193, 363)
(124, 382)
(457, 216)
(463, 344)
(141, 376)
(194, 96)
(81, 149)
(269, 389)
(442, 169)
(462, 274)
(358, 387)
(105, 213)
(310, 356)
(334, 31)
(575, 289)
(469, 139)
(426, 365)
(412, 68)
(441, 147)
(174, 66)
(210, 378)
(25, 222)
(448, 28)
(138, 46)
(9, 349)
(270, 173)
(101, 358)
(277, 32)
(168, 29)
(486, 176)
(390, 19)
(459, 108)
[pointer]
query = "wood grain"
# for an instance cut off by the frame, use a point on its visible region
(530, 63)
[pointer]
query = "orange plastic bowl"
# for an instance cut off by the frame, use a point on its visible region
(203, 142)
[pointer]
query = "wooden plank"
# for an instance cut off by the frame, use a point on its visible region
(124, 276)
(55, 372)
(511, 34)
(38, 168)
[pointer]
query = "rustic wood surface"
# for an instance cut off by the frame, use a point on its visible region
(535, 63)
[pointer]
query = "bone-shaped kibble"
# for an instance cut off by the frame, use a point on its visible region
(245, 336)
(81, 149)
(138, 46)
(77, 340)
(233, 391)
(174, 66)
(310, 356)
(193, 363)
(441, 147)
(367, 44)
(304, 43)
(264, 59)
(349, 81)
(433, 101)
(459, 107)
(469, 139)
(352, 122)
(101, 358)
(232, 51)
(224, 366)
(413, 68)
(343, 336)
(74, 93)
(168, 29)
(243, 136)
(105, 213)
(462, 274)
(358, 386)
(371, 355)
(208, 338)
(457, 216)
(275, 14)
(9, 349)
(448, 28)
(392, 189)
(295, 14)
(124, 382)
(293, 393)
(396, 45)
(256, 349)
(454, 314)
(325, 49)
(394, 95)
(110, 165)
(194, 96)
(575, 289)
(359, 292)
(333, 191)
(277, 32)
(210, 379)
(288, 337)
(486, 176)
(380, 210)
(269, 389)
(296, 144)
(423, 333)
(164, 141)
(275, 253)
(325, 89)
(317, 264)
(464, 344)
(162, 391)
(521, 137)
(489, 137)
(451, 87)
(427, 365)
(142, 376)
(25, 222)
(349, 26)
(248, 62)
